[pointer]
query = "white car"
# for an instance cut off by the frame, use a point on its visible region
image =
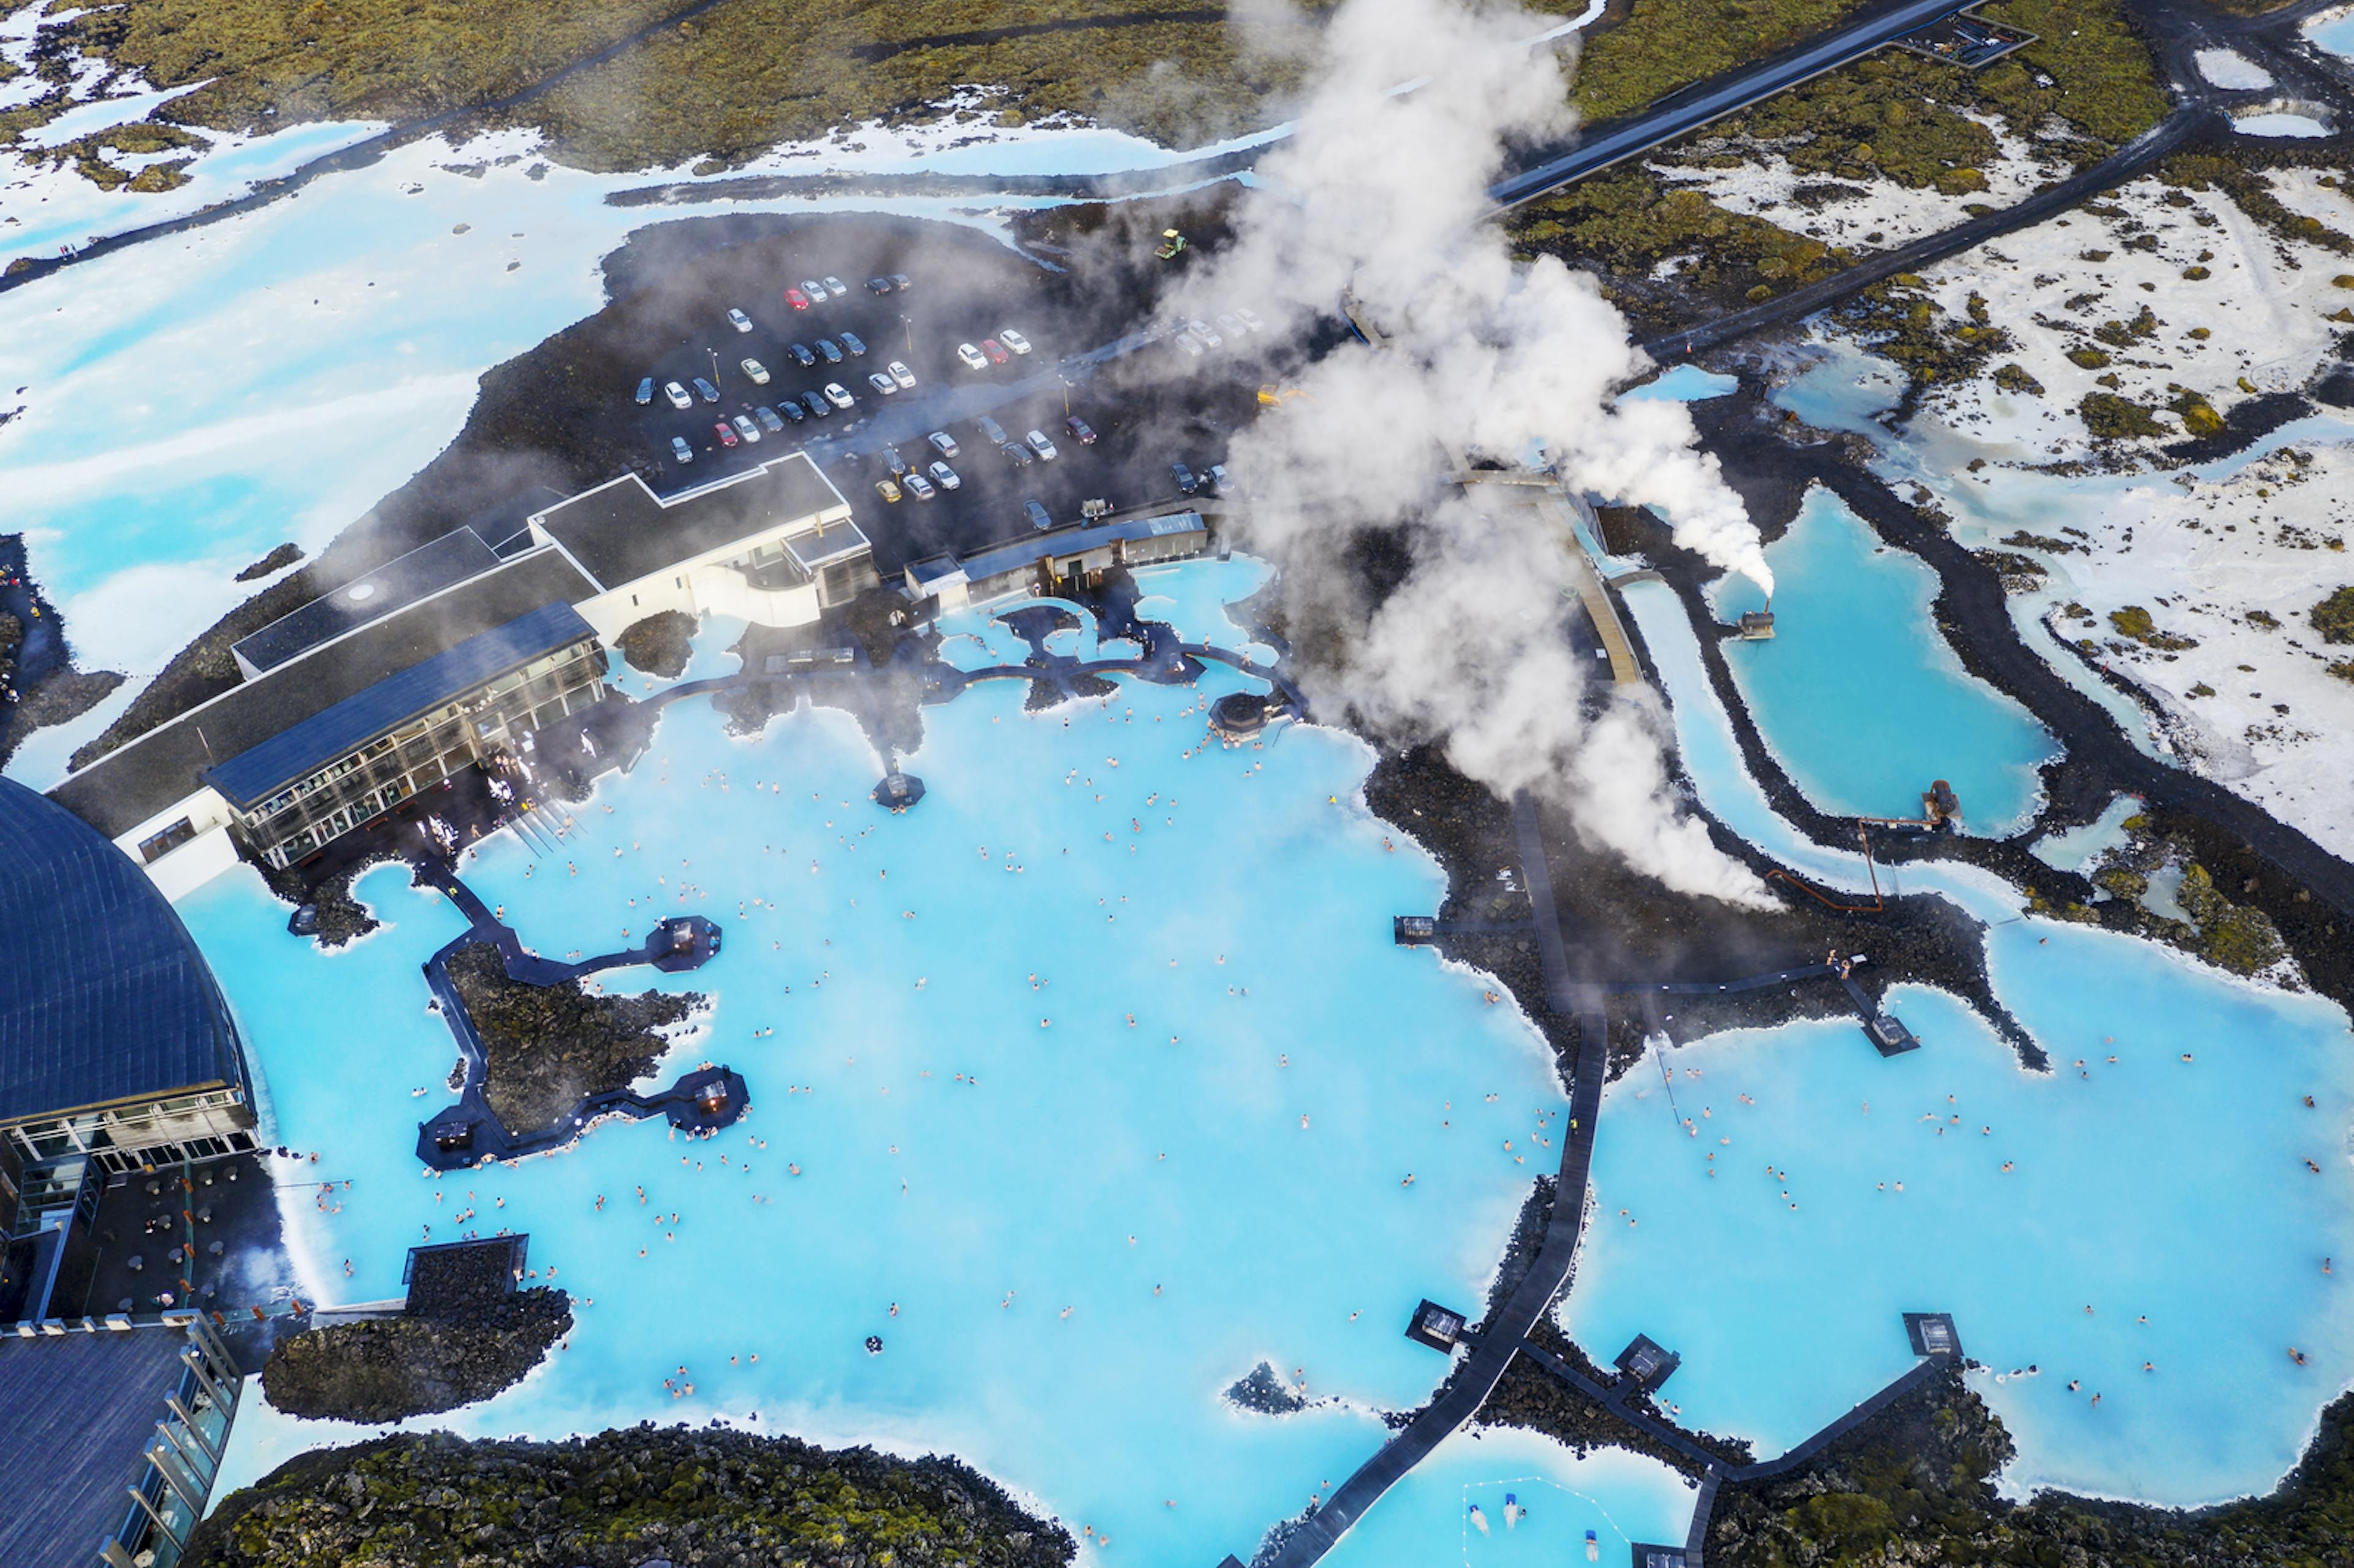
(834, 286)
(678, 396)
(680, 450)
(901, 374)
(882, 384)
(919, 487)
(839, 395)
(973, 357)
(747, 428)
(1042, 446)
(739, 321)
(943, 443)
(1013, 340)
(1231, 324)
(818, 292)
(1249, 319)
(756, 370)
(1205, 331)
(1189, 343)
(945, 477)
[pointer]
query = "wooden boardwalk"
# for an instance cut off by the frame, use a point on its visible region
(1501, 1337)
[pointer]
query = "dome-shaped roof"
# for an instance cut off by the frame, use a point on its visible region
(103, 995)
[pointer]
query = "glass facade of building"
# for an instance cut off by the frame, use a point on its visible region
(415, 756)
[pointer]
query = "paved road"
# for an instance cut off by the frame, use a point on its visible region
(1682, 113)
(2153, 145)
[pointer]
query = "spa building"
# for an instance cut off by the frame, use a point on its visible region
(450, 657)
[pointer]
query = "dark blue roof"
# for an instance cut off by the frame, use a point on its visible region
(394, 585)
(255, 775)
(81, 1408)
(103, 996)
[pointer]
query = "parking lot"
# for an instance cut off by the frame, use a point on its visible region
(1182, 416)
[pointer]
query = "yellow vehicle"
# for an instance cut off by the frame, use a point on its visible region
(1273, 397)
(1172, 245)
(887, 490)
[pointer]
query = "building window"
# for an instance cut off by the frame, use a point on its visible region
(152, 850)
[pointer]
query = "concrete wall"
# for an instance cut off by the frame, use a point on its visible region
(198, 861)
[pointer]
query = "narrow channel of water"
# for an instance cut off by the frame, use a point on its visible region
(1860, 695)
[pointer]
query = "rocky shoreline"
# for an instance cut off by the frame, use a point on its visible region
(388, 1369)
(623, 1498)
(549, 1046)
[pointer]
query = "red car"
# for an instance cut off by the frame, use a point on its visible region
(796, 299)
(1082, 430)
(725, 433)
(995, 350)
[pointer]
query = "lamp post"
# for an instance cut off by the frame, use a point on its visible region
(909, 322)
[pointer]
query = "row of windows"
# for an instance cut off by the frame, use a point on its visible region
(559, 688)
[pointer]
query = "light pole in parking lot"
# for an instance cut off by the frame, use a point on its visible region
(715, 364)
(909, 322)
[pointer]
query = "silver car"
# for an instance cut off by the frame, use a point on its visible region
(1042, 446)
(901, 374)
(747, 428)
(945, 477)
(882, 384)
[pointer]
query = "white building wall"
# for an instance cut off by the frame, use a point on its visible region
(195, 863)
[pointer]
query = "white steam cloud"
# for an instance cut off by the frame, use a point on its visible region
(1379, 196)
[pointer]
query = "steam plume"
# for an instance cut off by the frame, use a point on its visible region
(1379, 196)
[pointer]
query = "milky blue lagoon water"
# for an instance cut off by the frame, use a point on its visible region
(1016, 1169)
(1426, 1520)
(2151, 1187)
(1860, 695)
(1682, 384)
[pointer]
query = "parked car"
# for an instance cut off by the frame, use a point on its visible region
(1017, 454)
(995, 350)
(678, 394)
(971, 357)
(835, 286)
(1042, 446)
(803, 355)
(1250, 319)
(839, 395)
(754, 369)
(943, 443)
(901, 374)
(1013, 340)
(919, 487)
(815, 290)
(895, 463)
(828, 352)
(770, 419)
(1218, 479)
(1189, 343)
(738, 320)
(882, 384)
(1205, 331)
(853, 342)
(1230, 323)
(901, 282)
(1082, 431)
(710, 393)
(818, 406)
(645, 391)
(945, 477)
(680, 451)
(725, 432)
(887, 490)
(796, 299)
(747, 428)
(991, 430)
(878, 285)
(1037, 514)
(1186, 483)
(790, 408)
